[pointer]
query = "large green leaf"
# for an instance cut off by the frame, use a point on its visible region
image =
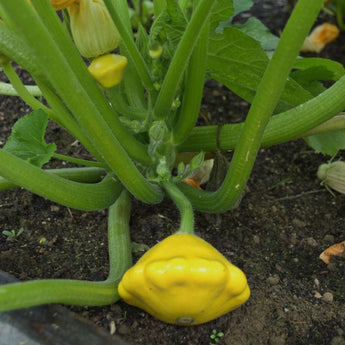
(238, 61)
(222, 11)
(257, 30)
(27, 139)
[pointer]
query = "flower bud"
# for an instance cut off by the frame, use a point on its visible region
(93, 30)
(156, 51)
(108, 69)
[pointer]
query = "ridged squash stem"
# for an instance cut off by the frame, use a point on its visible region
(193, 90)
(119, 242)
(183, 205)
(291, 124)
(87, 112)
(53, 25)
(82, 196)
(65, 291)
(181, 57)
(264, 102)
(127, 40)
(83, 175)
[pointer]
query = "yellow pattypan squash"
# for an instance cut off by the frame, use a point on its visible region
(184, 280)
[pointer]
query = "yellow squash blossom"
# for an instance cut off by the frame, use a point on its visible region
(93, 30)
(184, 280)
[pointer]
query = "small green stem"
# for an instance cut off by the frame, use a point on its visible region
(22, 90)
(181, 57)
(8, 90)
(119, 242)
(184, 206)
(66, 291)
(79, 161)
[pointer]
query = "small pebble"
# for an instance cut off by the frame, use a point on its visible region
(329, 238)
(311, 242)
(327, 297)
(273, 280)
(298, 223)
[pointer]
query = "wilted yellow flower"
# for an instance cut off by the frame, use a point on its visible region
(319, 37)
(60, 4)
(93, 30)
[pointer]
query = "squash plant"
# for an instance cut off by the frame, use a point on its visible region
(144, 125)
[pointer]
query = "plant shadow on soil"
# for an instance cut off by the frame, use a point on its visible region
(275, 235)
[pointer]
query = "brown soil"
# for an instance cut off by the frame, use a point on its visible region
(275, 236)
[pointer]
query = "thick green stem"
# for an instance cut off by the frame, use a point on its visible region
(84, 175)
(127, 40)
(72, 292)
(193, 90)
(184, 206)
(77, 195)
(263, 105)
(119, 242)
(292, 124)
(181, 57)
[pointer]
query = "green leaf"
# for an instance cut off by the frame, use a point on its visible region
(238, 61)
(328, 143)
(222, 11)
(257, 30)
(310, 71)
(331, 70)
(241, 6)
(27, 139)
